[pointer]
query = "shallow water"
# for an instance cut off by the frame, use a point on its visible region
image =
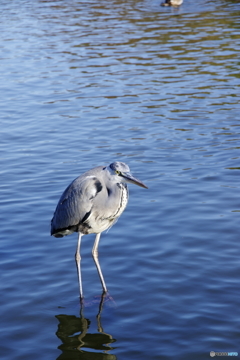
(87, 83)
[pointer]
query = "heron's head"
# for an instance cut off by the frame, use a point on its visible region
(122, 173)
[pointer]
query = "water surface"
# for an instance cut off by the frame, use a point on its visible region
(87, 83)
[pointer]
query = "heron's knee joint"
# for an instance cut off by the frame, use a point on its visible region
(95, 253)
(77, 257)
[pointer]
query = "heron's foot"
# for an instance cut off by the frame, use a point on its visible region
(109, 301)
(106, 298)
(82, 300)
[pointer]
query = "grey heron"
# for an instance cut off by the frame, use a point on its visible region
(92, 203)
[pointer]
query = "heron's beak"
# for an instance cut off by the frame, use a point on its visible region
(131, 179)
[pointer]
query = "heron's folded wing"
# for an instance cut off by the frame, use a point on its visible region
(75, 203)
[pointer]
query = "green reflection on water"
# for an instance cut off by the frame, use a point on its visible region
(77, 343)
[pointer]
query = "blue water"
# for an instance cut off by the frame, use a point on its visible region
(84, 84)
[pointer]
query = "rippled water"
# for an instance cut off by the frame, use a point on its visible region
(87, 83)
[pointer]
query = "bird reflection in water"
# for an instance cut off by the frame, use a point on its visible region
(72, 331)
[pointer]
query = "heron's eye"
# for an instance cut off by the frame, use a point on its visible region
(118, 172)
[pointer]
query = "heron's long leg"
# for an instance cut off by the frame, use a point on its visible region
(78, 260)
(95, 257)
